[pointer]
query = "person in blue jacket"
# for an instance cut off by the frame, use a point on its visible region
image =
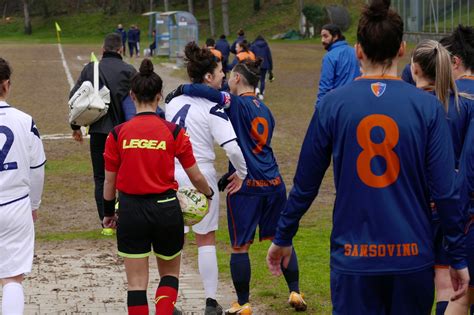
(391, 150)
(261, 50)
(223, 46)
(340, 65)
(240, 38)
(123, 34)
(132, 36)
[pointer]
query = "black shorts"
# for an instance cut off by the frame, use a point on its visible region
(149, 220)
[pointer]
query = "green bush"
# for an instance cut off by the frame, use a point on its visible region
(315, 15)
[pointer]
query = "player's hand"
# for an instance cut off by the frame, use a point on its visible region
(110, 222)
(460, 282)
(77, 135)
(276, 256)
(175, 93)
(235, 183)
(34, 214)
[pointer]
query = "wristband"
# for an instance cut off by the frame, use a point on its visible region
(109, 207)
(211, 195)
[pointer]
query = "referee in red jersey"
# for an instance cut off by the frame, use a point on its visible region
(139, 163)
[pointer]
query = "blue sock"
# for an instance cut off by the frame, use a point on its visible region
(441, 307)
(240, 270)
(292, 273)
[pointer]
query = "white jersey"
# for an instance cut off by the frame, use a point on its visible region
(205, 122)
(21, 150)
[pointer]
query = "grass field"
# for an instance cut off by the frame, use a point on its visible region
(68, 210)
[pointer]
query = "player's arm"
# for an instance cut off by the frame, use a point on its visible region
(441, 179)
(37, 162)
(112, 163)
(185, 156)
(315, 157)
(326, 81)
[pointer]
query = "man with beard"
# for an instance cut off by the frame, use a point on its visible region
(340, 65)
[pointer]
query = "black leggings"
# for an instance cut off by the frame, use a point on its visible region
(97, 146)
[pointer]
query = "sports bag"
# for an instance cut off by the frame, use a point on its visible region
(89, 104)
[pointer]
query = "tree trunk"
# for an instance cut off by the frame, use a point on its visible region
(5, 9)
(191, 6)
(26, 12)
(302, 22)
(225, 17)
(167, 6)
(256, 5)
(211, 18)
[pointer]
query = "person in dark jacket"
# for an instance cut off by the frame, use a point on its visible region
(223, 46)
(261, 50)
(240, 38)
(123, 34)
(116, 75)
(132, 36)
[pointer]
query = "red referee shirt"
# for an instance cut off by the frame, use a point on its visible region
(142, 152)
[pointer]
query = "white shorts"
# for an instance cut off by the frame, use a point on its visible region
(17, 238)
(211, 220)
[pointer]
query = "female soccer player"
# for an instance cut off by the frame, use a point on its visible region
(432, 72)
(207, 123)
(243, 53)
(263, 194)
(139, 163)
(22, 162)
(391, 149)
(461, 46)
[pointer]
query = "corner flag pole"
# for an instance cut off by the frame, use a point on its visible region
(58, 31)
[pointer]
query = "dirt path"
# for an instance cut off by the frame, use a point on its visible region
(79, 277)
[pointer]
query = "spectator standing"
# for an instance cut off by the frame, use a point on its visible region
(116, 75)
(123, 35)
(211, 45)
(340, 65)
(132, 40)
(261, 50)
(153, 45)
(137, 46)
(223, 46)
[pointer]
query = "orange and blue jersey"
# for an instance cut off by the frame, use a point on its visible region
(240, 57)
(253, 123)
(391, 151)
(465, 84)
(465, 176)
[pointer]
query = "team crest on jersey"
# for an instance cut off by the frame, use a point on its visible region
(378, 88)
(256, 102)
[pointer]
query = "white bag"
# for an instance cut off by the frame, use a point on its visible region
(89, 104)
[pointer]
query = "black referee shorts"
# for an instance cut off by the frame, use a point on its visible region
(149, 220)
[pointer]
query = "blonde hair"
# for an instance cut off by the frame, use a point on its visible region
(435, 62)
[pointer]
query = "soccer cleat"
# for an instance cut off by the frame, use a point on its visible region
(236, 308)
(296, 300)
(177, 311)
(212, 307)
(107, 232)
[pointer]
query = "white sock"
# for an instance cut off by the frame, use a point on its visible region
(13, 301)
(207, 260)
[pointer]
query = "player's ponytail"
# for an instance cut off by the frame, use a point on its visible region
(380, 32)
(435, 63)
(249, 70)
(146, 84)
(199, 61)
(5, 73)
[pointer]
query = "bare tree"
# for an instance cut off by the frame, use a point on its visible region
(211, 18)
(167, 5)
(191, 6)
(5, 9)
(225, 17)
(26, 11)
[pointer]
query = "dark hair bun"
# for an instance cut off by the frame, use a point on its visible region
(199, 61)
(378, 9)
(146, 67)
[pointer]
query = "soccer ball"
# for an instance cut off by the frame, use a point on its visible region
(193, 204)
